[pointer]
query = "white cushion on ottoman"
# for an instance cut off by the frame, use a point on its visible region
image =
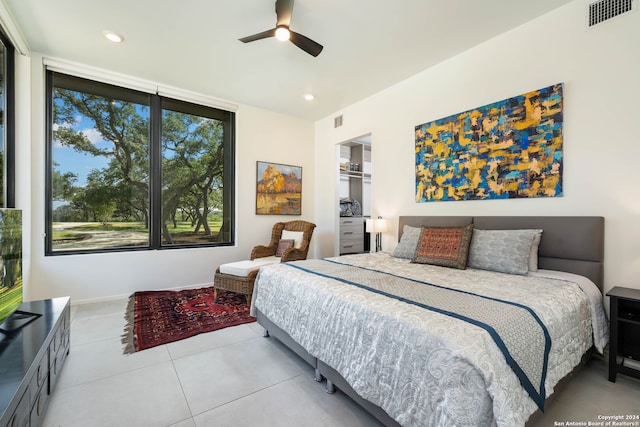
(243, 268)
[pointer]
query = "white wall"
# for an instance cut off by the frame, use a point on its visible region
(260, 135)
(23, 156)
(600, 68)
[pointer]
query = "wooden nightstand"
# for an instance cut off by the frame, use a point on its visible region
(624, 328)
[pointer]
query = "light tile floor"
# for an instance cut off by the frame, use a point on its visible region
(235, 377)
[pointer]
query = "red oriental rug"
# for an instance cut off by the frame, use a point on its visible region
(160, 317)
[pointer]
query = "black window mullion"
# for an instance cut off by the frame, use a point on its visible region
(7, 176)
(9, 127)
(155, 185)
(229, 191)
(48, 188)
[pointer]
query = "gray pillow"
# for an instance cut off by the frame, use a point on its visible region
(505, 251)
(408, 242)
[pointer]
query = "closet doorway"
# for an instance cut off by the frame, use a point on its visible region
(354, 195)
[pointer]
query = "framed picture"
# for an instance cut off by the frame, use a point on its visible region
(278, 189)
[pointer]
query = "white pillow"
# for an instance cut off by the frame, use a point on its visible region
(296, 236)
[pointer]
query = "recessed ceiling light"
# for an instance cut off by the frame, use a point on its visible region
(309, 97)
(114, 37)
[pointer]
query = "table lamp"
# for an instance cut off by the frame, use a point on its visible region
(377, 226)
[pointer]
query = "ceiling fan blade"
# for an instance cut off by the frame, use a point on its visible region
(262, 35)
(306, 44)
(284, 9)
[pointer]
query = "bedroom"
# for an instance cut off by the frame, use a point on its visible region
(599, 68)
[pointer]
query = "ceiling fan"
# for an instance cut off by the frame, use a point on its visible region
(282, 32)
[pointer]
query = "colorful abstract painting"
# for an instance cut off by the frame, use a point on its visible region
(278, 189)
(507, 149)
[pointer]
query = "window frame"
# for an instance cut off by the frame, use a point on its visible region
(155, 104)
(9, 185)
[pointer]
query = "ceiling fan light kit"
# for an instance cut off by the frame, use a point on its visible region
(282, 31)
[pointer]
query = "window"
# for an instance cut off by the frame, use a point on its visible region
(7, 156)
(129, 170)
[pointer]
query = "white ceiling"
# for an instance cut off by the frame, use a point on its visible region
(193, 44)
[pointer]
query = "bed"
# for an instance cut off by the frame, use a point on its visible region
(421, 344)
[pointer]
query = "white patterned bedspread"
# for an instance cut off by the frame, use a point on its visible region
(424, 368)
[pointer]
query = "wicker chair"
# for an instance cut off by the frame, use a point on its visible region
(291, 254)
(244, 284)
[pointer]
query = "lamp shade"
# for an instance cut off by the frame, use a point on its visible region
(378, 225)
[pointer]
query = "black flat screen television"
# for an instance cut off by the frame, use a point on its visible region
(10, 262)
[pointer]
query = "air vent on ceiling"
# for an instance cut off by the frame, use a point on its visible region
(337, 121)
(604, 10)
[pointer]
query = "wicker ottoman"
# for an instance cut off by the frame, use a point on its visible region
(239, 284)
(239, 276)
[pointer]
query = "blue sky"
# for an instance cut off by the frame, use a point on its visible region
(70, 160)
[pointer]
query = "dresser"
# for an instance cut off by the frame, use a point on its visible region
(32, 354)
(351, 235)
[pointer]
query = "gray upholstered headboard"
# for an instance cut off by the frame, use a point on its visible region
(569, 243)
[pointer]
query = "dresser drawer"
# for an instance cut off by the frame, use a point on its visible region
(351, 227)
(351, 221)
(58, 360)
(20, 417)
(351, 231)
(351, 246)
(39, 378)
(39, 407)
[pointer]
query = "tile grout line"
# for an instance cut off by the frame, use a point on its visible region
(175, 370)
(184, 395)
(107, 376)
(249, 394)
(208, 349)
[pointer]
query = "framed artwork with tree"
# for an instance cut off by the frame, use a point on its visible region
(278, 189)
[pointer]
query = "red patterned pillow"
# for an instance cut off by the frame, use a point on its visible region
(444, 246)
(283, 245)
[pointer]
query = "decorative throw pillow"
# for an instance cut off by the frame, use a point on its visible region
(505, 251)
(293, 235)
(408, 242)
(283, 245)
(444, 246)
